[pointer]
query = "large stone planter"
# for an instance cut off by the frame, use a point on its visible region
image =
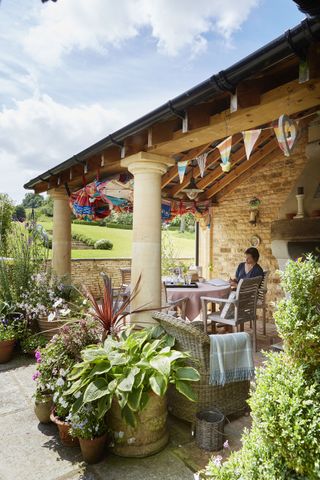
(6, 350)
(93, 450)
(150, 435)
(42, 408)
(49, 329)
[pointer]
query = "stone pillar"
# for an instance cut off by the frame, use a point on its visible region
(206, 248)
(61, 241)
(147, 170)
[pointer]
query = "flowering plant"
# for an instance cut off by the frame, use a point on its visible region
(7, 330)
(63, 403)
(32, 342)
(86, 424)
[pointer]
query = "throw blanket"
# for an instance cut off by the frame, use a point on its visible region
(231, 358)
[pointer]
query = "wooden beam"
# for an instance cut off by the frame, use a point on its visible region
(290, 98)
(245, 175)
(261, 153)
(249, 93)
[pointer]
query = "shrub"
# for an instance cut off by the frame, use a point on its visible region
(84, 239)
(103, 244)
(6, 211)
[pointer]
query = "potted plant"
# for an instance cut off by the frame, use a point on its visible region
(128, 377)
(91, 430)
(8, 337)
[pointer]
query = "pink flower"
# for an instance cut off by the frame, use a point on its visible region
(217, 460)
(226, 444)
(38, 356)
(36, 375)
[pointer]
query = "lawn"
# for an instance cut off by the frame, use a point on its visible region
(183, 242)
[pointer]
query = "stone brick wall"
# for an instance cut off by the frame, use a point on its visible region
(87, 271)
(231, 228)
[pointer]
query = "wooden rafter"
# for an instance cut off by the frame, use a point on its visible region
(255, 158)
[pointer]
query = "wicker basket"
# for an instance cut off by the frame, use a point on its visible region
(210, 429)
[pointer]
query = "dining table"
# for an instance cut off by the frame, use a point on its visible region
(203, 289)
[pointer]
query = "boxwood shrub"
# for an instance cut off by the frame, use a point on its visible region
(103, 244)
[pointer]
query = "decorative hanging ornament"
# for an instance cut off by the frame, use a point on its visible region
(202, 160)
(287, 134)
(182, 166)
(249, 138)
(225, 149)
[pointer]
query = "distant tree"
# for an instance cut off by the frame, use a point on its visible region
(6, 211)
(20, 213)
(32, 200)
(47, 206)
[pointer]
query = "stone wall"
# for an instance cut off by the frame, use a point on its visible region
(87, 271)
(231, 228)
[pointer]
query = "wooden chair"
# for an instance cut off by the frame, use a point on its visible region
(244, 302)
(175, 307)
(229, 399)
(125, 276)
(261, 302)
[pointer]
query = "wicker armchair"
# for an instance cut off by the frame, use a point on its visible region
(230, 399)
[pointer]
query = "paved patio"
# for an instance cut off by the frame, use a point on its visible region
(31, 450)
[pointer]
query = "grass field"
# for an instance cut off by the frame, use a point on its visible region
(183, 242)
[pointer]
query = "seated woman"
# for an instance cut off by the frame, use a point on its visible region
(250, 268)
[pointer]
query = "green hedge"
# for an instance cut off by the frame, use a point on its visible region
(103, 244)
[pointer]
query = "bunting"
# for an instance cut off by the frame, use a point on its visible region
(182, 166)
(202, 160)
(225, 149)
(250, 137)
(286, 133)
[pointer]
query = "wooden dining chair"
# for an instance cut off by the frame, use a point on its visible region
(175, 307)
(242, 307)
(261, 302)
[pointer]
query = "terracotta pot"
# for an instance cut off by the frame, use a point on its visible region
(49, 329)
(6, 350)
(148, 437)
(66, 439)
(93, 450)
(42, 408)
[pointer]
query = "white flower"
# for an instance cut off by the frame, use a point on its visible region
(51, 316)
(65, 311)
(196, 476)
(60, 382)
(62, 372)
(131, 440)
(57, 303)
(63, 403)
(84, 302)
(77, 394)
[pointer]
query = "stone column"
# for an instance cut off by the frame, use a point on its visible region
(61, 241)
(147, 170)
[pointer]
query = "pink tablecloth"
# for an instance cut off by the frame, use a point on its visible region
(194, 304)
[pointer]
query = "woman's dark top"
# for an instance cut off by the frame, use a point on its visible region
(256, 271)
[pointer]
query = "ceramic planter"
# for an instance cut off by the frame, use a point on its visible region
(42, 408)
(148, 437)
(66, 439)
(49, 329)
(6, 350)
(93, 450)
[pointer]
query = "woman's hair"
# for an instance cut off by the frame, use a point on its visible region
(253, 252)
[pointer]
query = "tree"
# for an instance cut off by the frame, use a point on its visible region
(20, 213)
(6, 211)
(32, 200)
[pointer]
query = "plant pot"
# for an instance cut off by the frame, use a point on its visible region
(42, 408)
(66, 439)
(49, 329)
(148, 437)
(93, 450)
(6, 350)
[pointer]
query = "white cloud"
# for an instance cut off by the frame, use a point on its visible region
(39, 133)
(98, 24)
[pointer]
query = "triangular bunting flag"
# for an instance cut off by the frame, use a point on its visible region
(202, 160)
(182, 166)
(250, 137)
(225, 149)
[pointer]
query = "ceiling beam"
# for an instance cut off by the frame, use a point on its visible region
(289, 98)
(261, 153)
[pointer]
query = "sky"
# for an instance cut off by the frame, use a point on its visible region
(74, 71)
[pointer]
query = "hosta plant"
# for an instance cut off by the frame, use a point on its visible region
(128, 369)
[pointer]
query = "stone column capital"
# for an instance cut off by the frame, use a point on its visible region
(58, 194)
(145, 162)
